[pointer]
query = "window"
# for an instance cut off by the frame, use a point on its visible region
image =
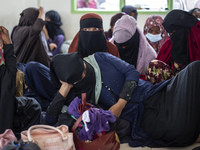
(99, 6)
(114, 6)
(151, 6)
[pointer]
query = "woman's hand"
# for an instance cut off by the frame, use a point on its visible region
(117, 108)
(52, 46)
(5, 35)
(42, 12)
(65, 88)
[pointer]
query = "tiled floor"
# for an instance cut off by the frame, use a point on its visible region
(126, 147)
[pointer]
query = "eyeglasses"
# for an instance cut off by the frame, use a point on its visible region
(83, 74)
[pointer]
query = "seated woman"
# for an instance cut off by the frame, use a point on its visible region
(91, 38)
(155, 32)
(132, 44)
(29, 41)
(114, 18)
(164, 114)
(7, 81)
(16, 113)
(180, 49)
(54, 35)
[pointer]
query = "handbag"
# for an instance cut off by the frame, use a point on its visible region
(6, 137)
(49, 137)
(109, 141)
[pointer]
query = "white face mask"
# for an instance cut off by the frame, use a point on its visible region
(198, 19)
(153, 37)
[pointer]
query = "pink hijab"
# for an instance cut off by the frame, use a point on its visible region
(123, 30)
(2, 60)
(155, 20)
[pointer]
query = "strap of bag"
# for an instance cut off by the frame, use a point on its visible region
(78, 121)
(44, 127)
(81, 108)
(84, 106)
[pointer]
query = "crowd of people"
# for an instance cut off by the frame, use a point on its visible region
(149, 79)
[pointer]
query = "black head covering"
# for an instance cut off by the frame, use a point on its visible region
(53, 26)
(179, 23)
(91, 41)
(28, 16)
(69, 68)
(193, 10)
(128, 9)
(130, 52)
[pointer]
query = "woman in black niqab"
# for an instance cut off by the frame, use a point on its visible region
(179, 33)
(73, 75)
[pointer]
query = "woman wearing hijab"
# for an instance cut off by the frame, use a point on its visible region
(29, 41)
(91, 38)
(16, 113)
(132, 44)
(114, 18)
(130, 10)
(7, 81)
(180, 49)
(55, 35)
(155, 32)
(164, 114)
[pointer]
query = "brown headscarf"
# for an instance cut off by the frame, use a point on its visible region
(28, 45)
(92, 20)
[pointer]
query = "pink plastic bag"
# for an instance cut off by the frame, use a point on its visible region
(6, 137)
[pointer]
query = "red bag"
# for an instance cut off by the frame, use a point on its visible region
(109, 141)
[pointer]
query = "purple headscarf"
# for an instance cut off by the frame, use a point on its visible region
(123, 30)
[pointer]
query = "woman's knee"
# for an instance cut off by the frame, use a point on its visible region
(32, 67)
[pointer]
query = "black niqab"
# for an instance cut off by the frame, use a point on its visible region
(130, 52)
(179, 23)
(91, 41)
(53, 26)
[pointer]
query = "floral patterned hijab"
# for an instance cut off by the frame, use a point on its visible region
(2, 60)
(155, 20)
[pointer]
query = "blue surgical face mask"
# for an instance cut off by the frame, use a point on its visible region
(153, 37)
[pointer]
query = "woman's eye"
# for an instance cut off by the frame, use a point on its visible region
(96, 29)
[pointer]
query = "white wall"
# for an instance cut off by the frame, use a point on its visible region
(10, 10)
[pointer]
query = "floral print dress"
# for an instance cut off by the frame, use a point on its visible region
(158, 71)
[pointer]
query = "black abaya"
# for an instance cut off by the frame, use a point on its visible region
(7, 89)
(173, 114)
